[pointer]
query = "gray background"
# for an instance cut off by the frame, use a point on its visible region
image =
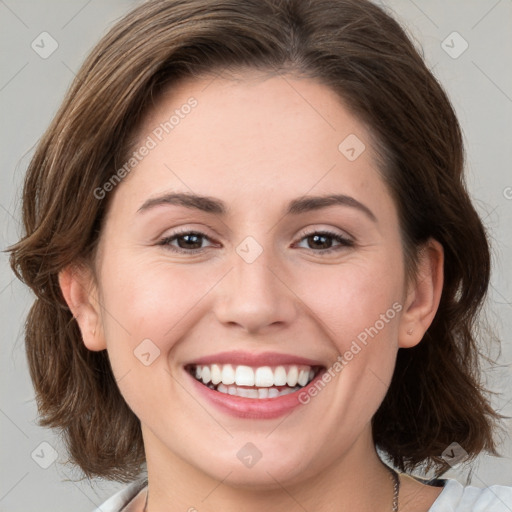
(479, 82)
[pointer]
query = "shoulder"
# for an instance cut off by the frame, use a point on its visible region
(454, 498)
(122, 499)
(458, 498)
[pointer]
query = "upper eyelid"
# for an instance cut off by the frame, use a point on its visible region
(303, 234)
(329, 231)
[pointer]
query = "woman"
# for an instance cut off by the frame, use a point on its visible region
(257, 265)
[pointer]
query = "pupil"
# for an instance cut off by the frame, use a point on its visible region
(325, 244)
(190, 239)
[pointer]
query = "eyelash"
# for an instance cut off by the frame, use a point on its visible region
(344, 242)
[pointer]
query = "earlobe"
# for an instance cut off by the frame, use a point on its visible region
(80, 293)
(424, 295)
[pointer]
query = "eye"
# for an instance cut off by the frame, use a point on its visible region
(190, 242)
(187, 242)
(322, 241)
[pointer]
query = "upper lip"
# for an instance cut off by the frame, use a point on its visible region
(255, 360)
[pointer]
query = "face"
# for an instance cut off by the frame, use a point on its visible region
(259, 283)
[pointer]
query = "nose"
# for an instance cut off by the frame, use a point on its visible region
(256, 296)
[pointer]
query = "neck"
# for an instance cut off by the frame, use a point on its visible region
(357, 481)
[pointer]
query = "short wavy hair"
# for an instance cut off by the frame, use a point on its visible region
(354, 47)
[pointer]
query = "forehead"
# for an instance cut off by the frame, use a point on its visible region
(252, 137)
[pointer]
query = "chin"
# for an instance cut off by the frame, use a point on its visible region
(271, 471)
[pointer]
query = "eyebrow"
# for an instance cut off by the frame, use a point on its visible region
(218, 207)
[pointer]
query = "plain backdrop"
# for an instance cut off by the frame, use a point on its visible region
(468, 46)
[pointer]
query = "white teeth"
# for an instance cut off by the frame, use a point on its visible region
(206, 374)
(264, 377)
(242, 392)
(244, 376)
(251, 393)
(263, 393)
(303, 377)
(216, 374)
(280, 376)
(255, 393)
(261, 377)
(287, 391)
(228, 375)
(293, 376)
(273, 392)
(247, 392)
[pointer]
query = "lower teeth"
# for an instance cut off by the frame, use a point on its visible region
(253, 392)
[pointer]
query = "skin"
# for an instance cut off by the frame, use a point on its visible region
(255, 137)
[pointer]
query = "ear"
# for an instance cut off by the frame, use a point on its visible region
(423, 295)
(80, 292)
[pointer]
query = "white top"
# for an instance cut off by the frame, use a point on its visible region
(454, 498)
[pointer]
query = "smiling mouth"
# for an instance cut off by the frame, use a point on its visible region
(254, 382)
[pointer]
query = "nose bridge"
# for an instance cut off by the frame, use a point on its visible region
(252, 295)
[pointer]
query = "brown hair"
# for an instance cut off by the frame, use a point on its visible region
(359, 51)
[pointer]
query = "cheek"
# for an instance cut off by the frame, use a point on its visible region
(358, 306)
(149, 299)
(148, 308)
(355, 301)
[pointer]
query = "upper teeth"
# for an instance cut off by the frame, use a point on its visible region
(261, 377)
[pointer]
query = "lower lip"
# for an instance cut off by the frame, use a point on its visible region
(252, 408)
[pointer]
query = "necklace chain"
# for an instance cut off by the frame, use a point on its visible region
(396, 491)
(396, 488)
